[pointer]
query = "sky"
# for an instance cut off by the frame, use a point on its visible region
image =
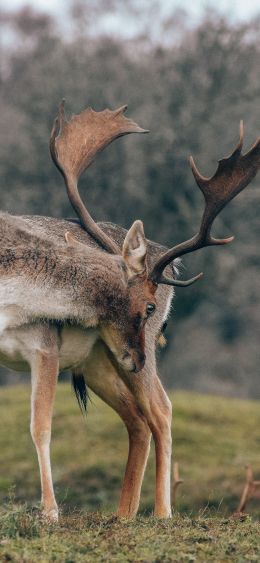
(117, 23)
(236, 9)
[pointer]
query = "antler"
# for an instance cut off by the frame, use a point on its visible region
(233, 174)
(73, 147)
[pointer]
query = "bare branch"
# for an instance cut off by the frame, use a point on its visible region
(176, 482)
(248, 492)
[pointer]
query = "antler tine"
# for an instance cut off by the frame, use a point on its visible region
(233, 174)
(73, 147)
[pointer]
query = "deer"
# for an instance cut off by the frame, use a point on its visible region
(93, 298)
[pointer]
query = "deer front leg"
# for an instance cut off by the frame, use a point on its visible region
(44, 369)
(139, 447)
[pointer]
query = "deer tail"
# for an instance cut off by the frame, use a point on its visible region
(81, 391)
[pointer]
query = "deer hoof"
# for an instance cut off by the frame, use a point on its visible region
(51, 516)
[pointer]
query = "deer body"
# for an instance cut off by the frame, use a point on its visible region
(30, 297)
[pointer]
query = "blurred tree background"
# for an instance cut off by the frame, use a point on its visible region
(188, 83)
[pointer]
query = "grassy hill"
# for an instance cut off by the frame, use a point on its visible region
(213, 440)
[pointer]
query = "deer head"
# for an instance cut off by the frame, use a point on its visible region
(121, 295)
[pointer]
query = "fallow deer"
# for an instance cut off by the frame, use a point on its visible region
(85, 304)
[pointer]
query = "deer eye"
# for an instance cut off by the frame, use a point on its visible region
(150, 309)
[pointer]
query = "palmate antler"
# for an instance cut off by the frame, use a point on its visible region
(233, 174)
(73, 147)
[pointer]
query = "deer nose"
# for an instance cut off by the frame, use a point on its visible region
(137, 359)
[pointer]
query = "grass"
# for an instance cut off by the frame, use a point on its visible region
(213, 440)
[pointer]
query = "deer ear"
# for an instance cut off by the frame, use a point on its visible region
(135, 250)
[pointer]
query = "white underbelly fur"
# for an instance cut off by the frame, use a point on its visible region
(18, 344)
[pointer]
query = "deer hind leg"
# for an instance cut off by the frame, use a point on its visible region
(102, 377)
(44, 370)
